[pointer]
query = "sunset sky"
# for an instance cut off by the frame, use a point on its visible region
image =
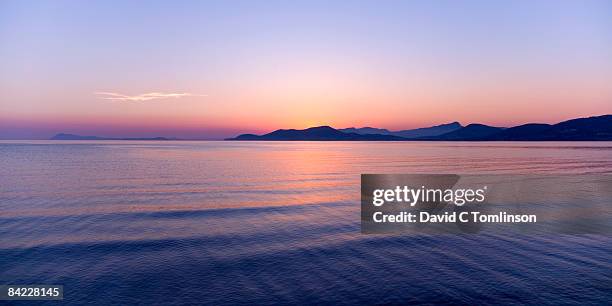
(213, 69)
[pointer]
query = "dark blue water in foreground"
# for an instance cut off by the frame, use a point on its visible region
(275, 223)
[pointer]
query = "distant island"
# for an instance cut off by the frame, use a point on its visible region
(63, 136)
(598, 128)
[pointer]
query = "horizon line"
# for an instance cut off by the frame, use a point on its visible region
(174, 138)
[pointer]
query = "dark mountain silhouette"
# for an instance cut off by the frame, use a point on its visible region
(521, 132)
(320, 133)
(366, 130)
(591, 128)
(430, 131)
(472, 131)
(63, 136)
(414, 133)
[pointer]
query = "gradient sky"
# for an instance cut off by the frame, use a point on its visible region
(211, 69)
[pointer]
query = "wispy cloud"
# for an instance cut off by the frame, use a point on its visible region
(142, 97)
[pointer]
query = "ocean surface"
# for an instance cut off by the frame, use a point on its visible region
(218, 223)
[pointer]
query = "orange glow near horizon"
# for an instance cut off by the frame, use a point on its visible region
(338, 99)
(258, 68)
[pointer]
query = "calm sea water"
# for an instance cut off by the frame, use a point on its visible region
(275, 222)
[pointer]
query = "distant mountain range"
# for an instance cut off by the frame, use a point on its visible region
(470, 132)
(421, 132)
(63, 136)
(582, 129)
(322, 133)
(592, 128)
(597, 128)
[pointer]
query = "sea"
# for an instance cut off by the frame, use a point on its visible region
(262, 223)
